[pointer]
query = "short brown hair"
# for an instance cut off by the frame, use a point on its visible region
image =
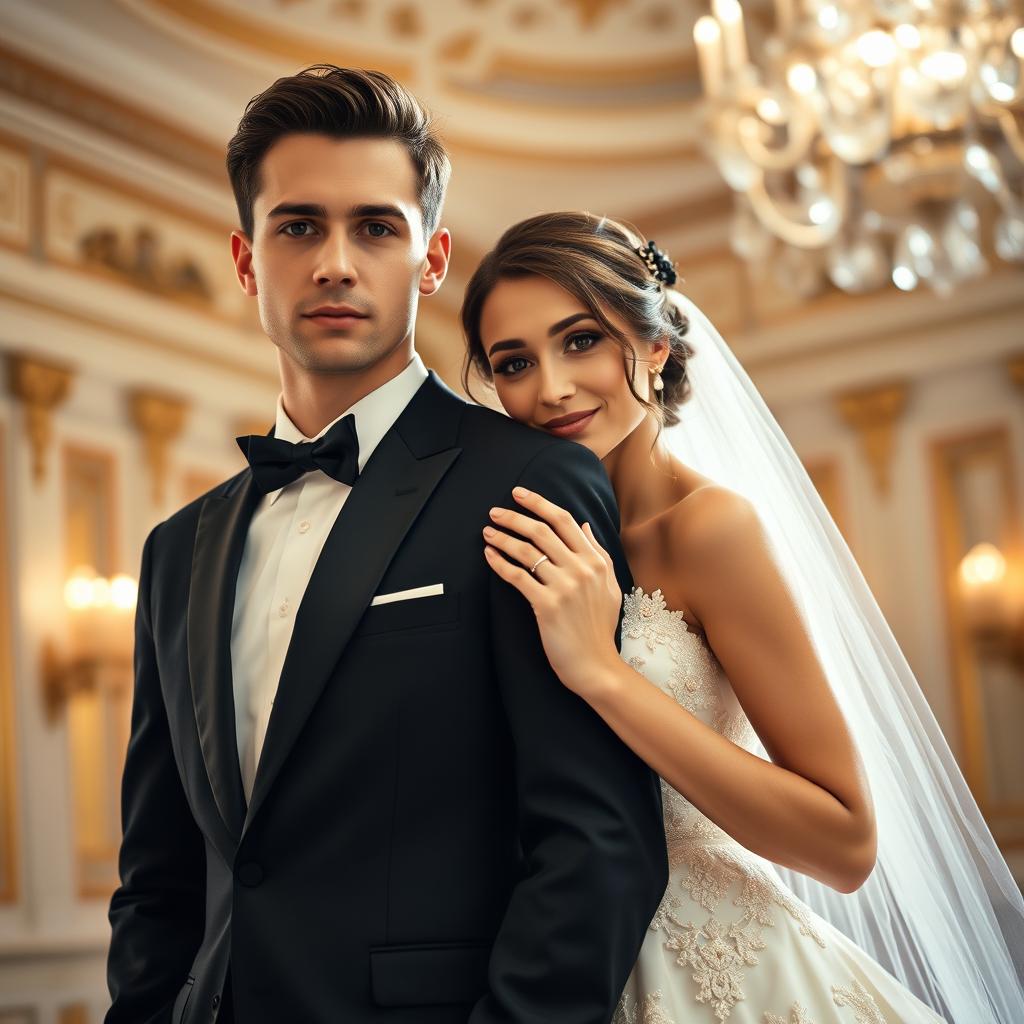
(594, 259)
(341, 103)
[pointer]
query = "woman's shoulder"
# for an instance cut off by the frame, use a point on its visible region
(707, 523)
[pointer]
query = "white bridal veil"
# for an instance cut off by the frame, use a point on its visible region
(940, 911)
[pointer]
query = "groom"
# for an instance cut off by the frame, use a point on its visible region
(355, 792)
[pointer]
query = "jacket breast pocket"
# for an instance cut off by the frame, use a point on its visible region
(178, 1010)
(428, 974)
(440, 610)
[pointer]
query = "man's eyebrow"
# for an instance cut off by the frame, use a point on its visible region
(500, 346)
(378, 210)
(318, 210)
(298, 210)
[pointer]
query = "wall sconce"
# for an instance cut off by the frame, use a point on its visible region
(100, 636)
(993, 606)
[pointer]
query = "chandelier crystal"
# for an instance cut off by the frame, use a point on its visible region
(870, 141)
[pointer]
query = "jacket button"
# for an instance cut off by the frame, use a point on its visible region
(216, 1002)
(250, 874)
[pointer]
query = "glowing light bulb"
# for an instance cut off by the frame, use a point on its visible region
(983, 564)
(78, 590)
(801, 78)
(944, 66)
(907, 36)
(1017, 43)
(876, 48)
(123, 592)
(706, 31)
(904, 279)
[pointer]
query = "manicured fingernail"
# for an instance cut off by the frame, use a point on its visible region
(497, 512)
(520, 492)
(488, 532)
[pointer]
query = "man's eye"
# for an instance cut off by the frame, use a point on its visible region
(582, 342)
(385, 229)
(296, 224)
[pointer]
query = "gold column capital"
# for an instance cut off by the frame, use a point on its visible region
(872, 413)
(160, 419)
(41, 386)
(1015, 365)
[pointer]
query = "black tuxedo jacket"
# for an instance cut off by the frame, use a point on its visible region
(439, 830)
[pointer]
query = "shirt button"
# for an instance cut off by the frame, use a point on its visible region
(283, 609)
(304, 526)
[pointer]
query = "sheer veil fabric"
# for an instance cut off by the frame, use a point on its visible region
(940, 911)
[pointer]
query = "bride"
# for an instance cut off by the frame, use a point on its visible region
(827, 861)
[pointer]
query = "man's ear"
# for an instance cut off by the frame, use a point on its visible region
(241, 253)
(435, 263)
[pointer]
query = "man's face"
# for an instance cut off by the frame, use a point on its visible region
(337, 223)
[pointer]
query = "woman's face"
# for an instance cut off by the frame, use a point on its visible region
(556, 369)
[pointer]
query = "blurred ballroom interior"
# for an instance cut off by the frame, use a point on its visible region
(872, 288)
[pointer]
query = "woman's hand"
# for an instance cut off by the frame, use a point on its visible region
(572, 590)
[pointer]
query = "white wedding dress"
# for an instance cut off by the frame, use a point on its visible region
(730, 942)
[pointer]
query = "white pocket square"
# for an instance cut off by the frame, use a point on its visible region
(407, 595)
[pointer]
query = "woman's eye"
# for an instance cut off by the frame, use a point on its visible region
(296, 224)
(511, 366)
(582, 342)
(385, 229)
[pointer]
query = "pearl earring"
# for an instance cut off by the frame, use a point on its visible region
(659, 384)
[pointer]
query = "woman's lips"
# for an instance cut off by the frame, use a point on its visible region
(574, 427)
(336, 322)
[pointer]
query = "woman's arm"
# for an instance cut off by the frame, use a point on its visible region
(809, 808)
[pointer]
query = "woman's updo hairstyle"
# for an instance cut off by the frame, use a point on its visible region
(596, 260)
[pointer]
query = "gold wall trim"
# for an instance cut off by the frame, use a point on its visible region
(208, 359)
(64, 94)
(948, 455)
(97, 719)
(157, 200)
(873, 413)
(9, 868)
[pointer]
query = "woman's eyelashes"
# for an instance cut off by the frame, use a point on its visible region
(578, 343)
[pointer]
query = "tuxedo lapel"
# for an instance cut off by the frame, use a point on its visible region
(216, 557)
(391, 491)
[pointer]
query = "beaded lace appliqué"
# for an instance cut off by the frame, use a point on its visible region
(705, 863)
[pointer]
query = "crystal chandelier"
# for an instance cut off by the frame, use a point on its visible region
(872, 140)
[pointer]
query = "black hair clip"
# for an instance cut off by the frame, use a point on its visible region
(658, 263)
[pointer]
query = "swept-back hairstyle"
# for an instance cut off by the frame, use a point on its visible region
(341, 103)
(595, 260)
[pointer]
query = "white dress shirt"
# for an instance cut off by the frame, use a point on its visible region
(286, 534)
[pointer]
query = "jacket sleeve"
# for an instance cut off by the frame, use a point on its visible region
(590, 819)
(157, 912)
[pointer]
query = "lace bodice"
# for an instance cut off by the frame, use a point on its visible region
(726, 919)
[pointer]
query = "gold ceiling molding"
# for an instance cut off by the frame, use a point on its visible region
(41, 386)
(159, 418)
(140, 128)
(276, 43)
(873, 413)
(406, 24)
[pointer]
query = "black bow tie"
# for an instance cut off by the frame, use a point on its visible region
(275, 462)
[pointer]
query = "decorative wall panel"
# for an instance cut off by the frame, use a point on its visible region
(8, 800)
(976, 500)
(98, 719)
